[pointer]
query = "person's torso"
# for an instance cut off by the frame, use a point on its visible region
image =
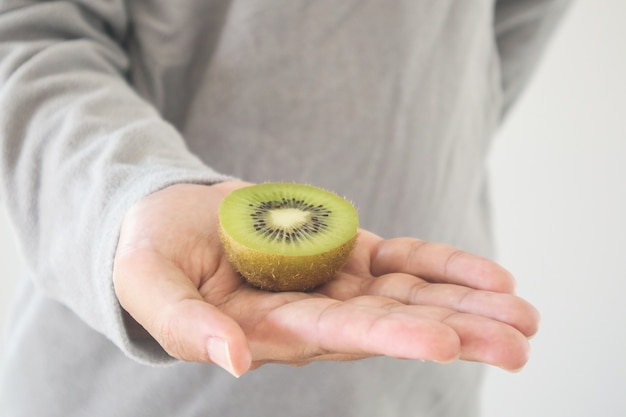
(392, 104)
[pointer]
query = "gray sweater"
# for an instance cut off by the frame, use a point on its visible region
(390, 103)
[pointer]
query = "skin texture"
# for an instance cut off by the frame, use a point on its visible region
(275, 272)
(403, 298)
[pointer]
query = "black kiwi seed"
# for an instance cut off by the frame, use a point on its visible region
(315, 225)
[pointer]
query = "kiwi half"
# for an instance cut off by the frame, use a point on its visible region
(286, 236)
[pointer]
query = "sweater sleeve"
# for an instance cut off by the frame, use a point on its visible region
(78, 148)
(523, 28)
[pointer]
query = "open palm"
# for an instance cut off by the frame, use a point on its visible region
(402, 297)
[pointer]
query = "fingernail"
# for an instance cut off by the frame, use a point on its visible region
(219, 353)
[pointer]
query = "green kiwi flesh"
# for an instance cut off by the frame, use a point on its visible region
(286, 236)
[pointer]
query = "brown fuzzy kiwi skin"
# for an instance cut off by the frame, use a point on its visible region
(272, 272)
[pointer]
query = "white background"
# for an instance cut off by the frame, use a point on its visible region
(559, 179)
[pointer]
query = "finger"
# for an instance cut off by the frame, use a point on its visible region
(365, 326)
(481, 339)
(165, 302)
(335, 357)
(437, 262)
(504, 307)
(489, 341)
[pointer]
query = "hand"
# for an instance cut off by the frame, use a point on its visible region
(402, 298)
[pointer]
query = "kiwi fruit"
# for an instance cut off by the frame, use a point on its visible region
(287, 236)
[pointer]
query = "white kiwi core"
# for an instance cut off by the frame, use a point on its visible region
(288, 218)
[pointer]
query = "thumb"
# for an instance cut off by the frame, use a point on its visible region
(193, 330)
(165, 302)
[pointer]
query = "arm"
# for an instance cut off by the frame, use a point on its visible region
(79, 147)
(523, 28)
